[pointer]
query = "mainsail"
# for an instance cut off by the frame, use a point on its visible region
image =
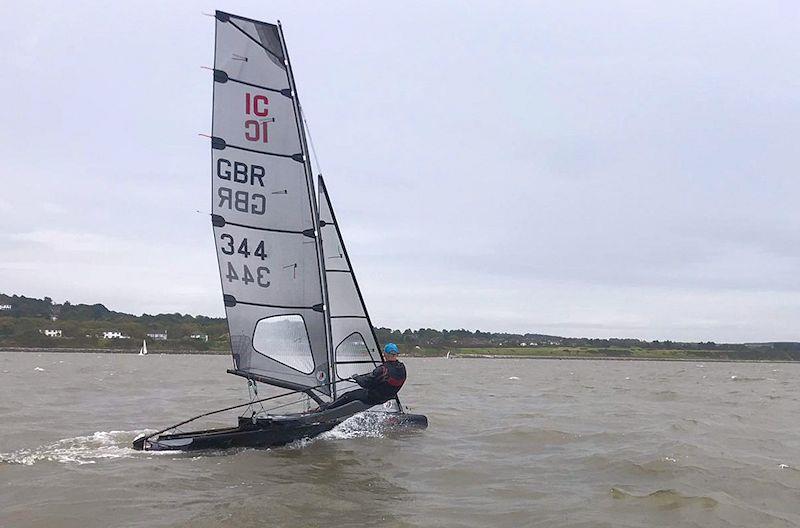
(264, 212)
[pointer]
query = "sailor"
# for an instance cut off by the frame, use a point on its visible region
(380, 385)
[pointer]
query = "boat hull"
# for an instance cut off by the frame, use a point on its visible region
(265, 432)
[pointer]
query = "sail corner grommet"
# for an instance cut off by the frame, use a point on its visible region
(222, 17)
(229, 300)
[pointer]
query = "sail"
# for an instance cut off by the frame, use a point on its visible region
(263, 211)
(355, 348)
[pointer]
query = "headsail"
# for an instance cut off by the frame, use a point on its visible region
(264, 211)
(355, 348)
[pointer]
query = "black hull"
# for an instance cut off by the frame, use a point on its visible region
(265, 433)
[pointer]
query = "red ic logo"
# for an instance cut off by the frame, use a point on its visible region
(256, 129)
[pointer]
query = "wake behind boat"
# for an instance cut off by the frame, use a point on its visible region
(295, 313)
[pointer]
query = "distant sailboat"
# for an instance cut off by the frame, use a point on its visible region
(143, 349)
(297, 319)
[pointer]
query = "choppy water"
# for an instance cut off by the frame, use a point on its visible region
(568, 443)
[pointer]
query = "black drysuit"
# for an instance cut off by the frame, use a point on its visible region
(379, 386)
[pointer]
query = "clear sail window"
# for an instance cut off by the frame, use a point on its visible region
(284, 338)
(353, 348)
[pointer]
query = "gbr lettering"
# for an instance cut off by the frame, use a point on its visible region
(242, 173)
(242, 201)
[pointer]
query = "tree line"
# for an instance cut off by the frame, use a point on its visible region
(82, 325)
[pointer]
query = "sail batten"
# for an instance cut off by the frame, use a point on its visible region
(264, 211)
(222, 77)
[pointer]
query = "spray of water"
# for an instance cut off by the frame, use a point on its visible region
(80, 449)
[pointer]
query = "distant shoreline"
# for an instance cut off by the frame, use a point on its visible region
(135, 351)
(610, 358)
(39, 325)
(54, 350)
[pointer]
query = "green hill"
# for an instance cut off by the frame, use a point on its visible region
(25, 320)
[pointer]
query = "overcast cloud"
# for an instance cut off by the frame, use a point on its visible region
(575, 168)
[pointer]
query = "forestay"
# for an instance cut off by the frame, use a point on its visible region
(264, 211)
(355, 349)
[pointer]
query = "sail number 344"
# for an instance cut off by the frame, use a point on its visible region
(245, 274)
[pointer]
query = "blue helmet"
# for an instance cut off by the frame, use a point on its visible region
(390, 348)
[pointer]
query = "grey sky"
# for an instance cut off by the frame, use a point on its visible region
(577, 168)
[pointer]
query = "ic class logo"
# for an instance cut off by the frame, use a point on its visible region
(257, 106)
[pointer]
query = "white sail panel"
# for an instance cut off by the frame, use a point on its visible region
(347, 303)
(250, 185)
(335, 259)
(263, 212)
(267, 267)
(251, 52)
(266, 122)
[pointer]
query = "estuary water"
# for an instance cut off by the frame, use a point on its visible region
(511, 443)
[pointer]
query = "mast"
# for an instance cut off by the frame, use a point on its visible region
(314, 208)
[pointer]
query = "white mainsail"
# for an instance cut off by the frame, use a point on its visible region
(264, 212)
(143, 348)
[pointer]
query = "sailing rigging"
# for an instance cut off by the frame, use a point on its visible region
(297, 319)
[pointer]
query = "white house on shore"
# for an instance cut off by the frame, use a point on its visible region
(5, 306)
(200, 337)
(158, 336)
(51, 333)
(113, 334)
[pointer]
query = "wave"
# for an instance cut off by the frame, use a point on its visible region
(744, 378)
(363, 425)
(666, 465)
(79, 449)
(685, 425)
(666, 395)
(520, 436)
(666, 499)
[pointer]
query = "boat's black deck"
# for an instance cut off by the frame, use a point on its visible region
(271, 431)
